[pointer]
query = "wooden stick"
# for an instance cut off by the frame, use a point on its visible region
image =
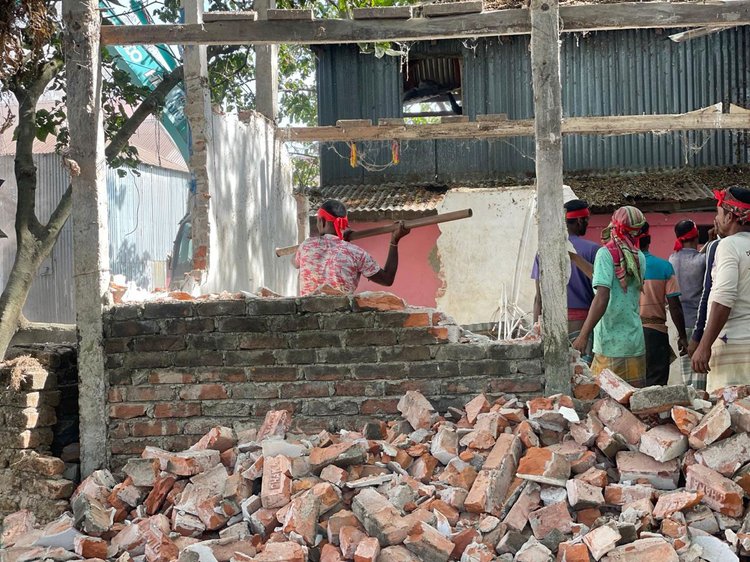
(414, 223)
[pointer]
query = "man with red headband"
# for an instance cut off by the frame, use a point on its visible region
(690, 268)
(614, 316)
(328, 259)
(724, 349)
(580, 291)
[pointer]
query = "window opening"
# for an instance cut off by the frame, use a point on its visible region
(432, 87)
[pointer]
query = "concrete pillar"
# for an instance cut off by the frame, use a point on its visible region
(198, 112)
(553, 262)
(90, 236)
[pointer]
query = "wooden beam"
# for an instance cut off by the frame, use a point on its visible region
(553, 261)
(683, 36)
(591, 17)
(224, 16)
(90, 237)
(705, 119)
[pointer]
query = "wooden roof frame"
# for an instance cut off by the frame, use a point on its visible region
(220, 29)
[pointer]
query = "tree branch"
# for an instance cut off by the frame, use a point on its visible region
(25, 170)
(59, 216)
(148, 106)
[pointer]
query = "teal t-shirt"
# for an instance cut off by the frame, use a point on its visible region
(619, 333)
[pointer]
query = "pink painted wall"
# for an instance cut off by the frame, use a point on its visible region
(661, 227)
(417, 281)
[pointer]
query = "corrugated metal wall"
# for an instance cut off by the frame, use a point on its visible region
(143, 215)
(605, 73)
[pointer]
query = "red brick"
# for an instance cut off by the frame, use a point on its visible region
(126, 411)
(149, 394)
(375, 406)
(203, 392)
(417, 320)
(170, 377)
(305, 390)
(719, 493)
(555, 516)
(379, 300)
(177, 410)
(116, 394)
(155, 428)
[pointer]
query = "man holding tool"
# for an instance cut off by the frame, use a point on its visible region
(329, 259)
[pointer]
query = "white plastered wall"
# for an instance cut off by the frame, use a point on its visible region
(252, 209)
(482, 254)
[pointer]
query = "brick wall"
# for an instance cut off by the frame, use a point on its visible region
(177, 369)
(32, 402)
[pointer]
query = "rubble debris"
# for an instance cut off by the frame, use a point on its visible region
(497, 481)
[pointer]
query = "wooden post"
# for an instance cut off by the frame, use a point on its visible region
(266, 69)
(90, 237)
(198, 111)
(545, 70)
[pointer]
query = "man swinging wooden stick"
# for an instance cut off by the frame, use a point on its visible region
(329, 259)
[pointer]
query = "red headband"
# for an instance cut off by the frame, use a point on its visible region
(339, 223)
(724, 196)
(693, 233)
(579, 214)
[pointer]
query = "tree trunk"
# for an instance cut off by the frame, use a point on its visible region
(27, 261)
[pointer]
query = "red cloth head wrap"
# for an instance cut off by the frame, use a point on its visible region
(579, 214)
(690, 235)
(339, 223)
(731, 204)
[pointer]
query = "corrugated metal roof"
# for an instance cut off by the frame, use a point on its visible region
(384, 198)
(688, 189)
(155, 146)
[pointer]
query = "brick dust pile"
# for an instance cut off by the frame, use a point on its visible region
(657, 474)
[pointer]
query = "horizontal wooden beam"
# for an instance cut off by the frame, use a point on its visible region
(577, 18)
(703, 119)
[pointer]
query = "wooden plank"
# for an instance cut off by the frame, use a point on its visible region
(346, 123)
(492, 117)
(384, 13)
(223, 16)
(553, 259)
(594, 17)
(699, 32)
(396, 129)
(452, 8)
(454, 119)
(289, 15)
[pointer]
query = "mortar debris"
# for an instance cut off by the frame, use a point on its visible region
(612, 473)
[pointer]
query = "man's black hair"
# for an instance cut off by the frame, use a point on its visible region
(335, 207)
(645, 238)
(683, 227)
(741, 193)
(575, 205)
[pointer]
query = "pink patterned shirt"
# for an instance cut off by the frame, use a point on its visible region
(326, 260)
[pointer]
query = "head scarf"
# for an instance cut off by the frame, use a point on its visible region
(340, 224)
(689, 235)
(622, 242)
(732, 205)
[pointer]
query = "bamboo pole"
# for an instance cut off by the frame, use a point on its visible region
(413, 223)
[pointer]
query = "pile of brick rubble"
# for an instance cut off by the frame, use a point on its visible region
(655, 474)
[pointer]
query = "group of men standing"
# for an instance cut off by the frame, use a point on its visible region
(619, 294)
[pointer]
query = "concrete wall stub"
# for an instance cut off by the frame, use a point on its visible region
(476, 258)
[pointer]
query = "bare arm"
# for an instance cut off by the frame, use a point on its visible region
(387, 274)
(597, 310)
(675, 311)
(586, 268)
(716, 320)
